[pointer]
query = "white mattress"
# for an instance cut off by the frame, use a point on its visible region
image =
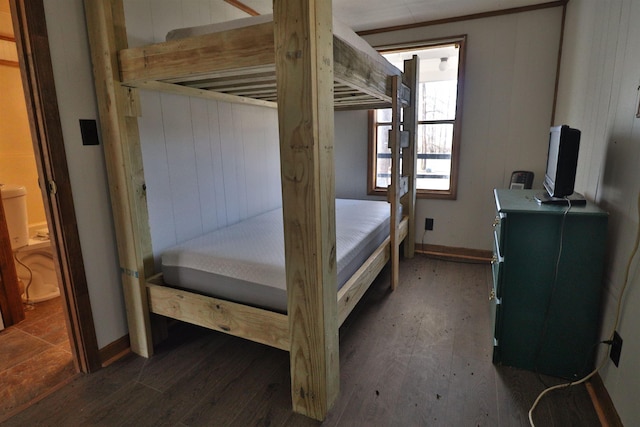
(340, 30)
(245, 262)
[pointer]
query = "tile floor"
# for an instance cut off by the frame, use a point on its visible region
(34, 357)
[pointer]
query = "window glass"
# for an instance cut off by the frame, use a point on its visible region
(434, 157)
(439, 92)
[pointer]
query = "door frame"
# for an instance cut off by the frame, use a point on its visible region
(32, 42)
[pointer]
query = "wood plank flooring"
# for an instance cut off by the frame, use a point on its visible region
(419, 356)
(34, 356)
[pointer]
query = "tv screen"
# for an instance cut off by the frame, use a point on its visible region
(562, 161)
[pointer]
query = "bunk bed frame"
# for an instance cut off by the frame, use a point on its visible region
(310, 75)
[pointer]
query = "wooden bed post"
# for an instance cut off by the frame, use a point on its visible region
(304, 70)
(411, 77)
(394, 188)
(118, 108)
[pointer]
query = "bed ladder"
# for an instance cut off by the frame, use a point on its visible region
(402, 142)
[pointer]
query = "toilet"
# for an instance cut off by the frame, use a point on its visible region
(33, 255)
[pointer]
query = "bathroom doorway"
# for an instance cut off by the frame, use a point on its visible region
(53, 187)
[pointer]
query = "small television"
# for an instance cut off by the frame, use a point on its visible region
(562, 161)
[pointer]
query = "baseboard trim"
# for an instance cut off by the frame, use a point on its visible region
(602, 402)
(114, 351)
(451, 253)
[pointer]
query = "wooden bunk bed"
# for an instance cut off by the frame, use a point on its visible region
(311, 73)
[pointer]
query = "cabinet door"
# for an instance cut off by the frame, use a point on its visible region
(498, 227)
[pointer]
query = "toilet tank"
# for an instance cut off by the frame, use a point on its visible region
(14, 200)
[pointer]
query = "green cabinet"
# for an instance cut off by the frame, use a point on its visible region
(547, 284)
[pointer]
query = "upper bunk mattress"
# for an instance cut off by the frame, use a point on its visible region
(245, 262)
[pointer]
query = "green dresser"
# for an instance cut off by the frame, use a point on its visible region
(546, 307)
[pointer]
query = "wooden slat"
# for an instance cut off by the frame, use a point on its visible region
(255, 324)
(348, 106)
(360, 71)
(410, 154)
(221, 84)
(304, 70)
(249, 72)
(394, 188)
(120, 137)
(255, 91)
(201, 93)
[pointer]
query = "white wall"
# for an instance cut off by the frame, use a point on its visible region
(207, 164)
(508, 95)
(350, 146)
(76, 100)
(598, 93)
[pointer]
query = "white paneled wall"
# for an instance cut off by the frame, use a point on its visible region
(598, 93)
(509, 83)
(73, 76)
(149, 21)
(207, 164)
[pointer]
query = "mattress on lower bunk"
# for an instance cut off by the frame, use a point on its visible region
(245, 262)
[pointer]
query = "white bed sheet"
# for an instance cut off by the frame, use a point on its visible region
(245, 261)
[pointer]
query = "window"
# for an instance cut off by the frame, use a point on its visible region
(439, 108)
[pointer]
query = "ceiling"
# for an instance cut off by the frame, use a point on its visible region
(371, 14)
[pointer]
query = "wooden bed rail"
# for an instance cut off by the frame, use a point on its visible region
(255, 324)
(252, 323)
(352, 291)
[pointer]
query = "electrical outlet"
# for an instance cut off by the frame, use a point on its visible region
(428, 224)
(616, 348)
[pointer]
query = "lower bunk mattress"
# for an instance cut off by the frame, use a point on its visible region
(245, 262)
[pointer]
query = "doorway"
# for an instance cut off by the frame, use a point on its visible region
(53, 187)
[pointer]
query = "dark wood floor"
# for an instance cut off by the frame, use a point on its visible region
(34, 356)
(420, 356)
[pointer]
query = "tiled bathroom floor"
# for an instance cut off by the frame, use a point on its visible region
(34, 356)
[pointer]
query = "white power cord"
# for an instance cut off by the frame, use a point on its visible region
(615, 326)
